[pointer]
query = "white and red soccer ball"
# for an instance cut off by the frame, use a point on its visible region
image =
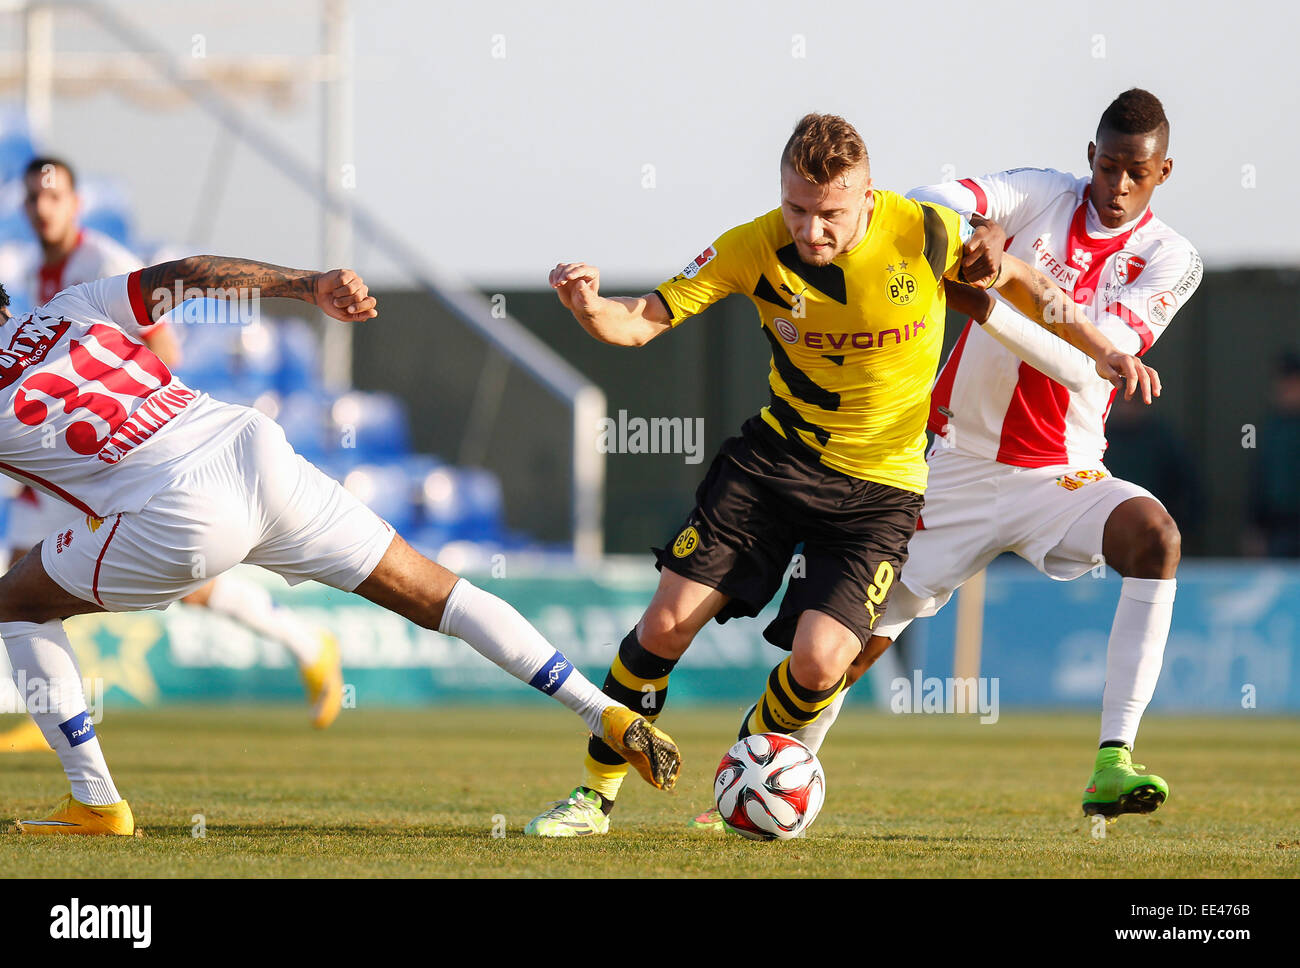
(769, 787)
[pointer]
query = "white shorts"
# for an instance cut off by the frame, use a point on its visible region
(254, 501)
(975, 509)
(33, 516)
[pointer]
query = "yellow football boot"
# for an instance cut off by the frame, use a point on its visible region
(73, 817)
(650, 751)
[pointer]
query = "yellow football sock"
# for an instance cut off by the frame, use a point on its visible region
(787, 706)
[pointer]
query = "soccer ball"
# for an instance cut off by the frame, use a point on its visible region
(769, 787)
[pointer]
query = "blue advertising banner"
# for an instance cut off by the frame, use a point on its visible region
(1233, 644)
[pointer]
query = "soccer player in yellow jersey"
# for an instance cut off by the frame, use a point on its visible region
(849, 282)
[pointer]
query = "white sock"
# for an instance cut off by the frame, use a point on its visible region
(58, 704)
(496, 631)
(1135, 653)
(250, 604)
(814, 734)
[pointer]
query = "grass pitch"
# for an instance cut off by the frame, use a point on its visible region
(421, 792)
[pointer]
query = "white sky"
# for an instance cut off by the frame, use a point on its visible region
(496, 168)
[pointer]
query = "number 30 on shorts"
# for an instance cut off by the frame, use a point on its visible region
(878, 589)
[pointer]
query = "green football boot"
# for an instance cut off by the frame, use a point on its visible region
(578, 816)
(1117, 787)
(710, 820)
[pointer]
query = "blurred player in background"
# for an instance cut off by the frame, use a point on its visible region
(164, 476)
(1017, 463)
(849, 284)
(70, 254)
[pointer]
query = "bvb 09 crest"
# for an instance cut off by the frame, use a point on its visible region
(686, 543)
(901, 288)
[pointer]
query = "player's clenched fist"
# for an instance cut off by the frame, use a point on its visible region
(981, 259)
(617, 320)
(343, 294)
(577, 284)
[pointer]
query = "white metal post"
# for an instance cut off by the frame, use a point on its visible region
(588, 475)
(339, 179)
(38, 70)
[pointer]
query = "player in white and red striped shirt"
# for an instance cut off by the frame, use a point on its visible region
(65, 254)
(1017, 463)
(174, 487)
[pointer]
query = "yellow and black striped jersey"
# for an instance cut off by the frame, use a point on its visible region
(855, 343)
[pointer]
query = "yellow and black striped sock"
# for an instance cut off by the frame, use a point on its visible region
(787, 706)
(639, 680)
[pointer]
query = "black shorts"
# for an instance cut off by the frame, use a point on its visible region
(760, 499)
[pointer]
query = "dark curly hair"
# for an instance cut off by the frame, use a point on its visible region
(4, 298)
(1135, 112)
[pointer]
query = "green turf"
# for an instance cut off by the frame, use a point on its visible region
(418, 793)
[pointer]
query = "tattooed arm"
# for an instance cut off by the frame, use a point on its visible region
(1040, 299)
(339, 293)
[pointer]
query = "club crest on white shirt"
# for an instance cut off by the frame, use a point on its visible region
(1128, 267)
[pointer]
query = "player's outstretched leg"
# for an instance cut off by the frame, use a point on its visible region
(411, 585)
(1141, 541)
(315, 650)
